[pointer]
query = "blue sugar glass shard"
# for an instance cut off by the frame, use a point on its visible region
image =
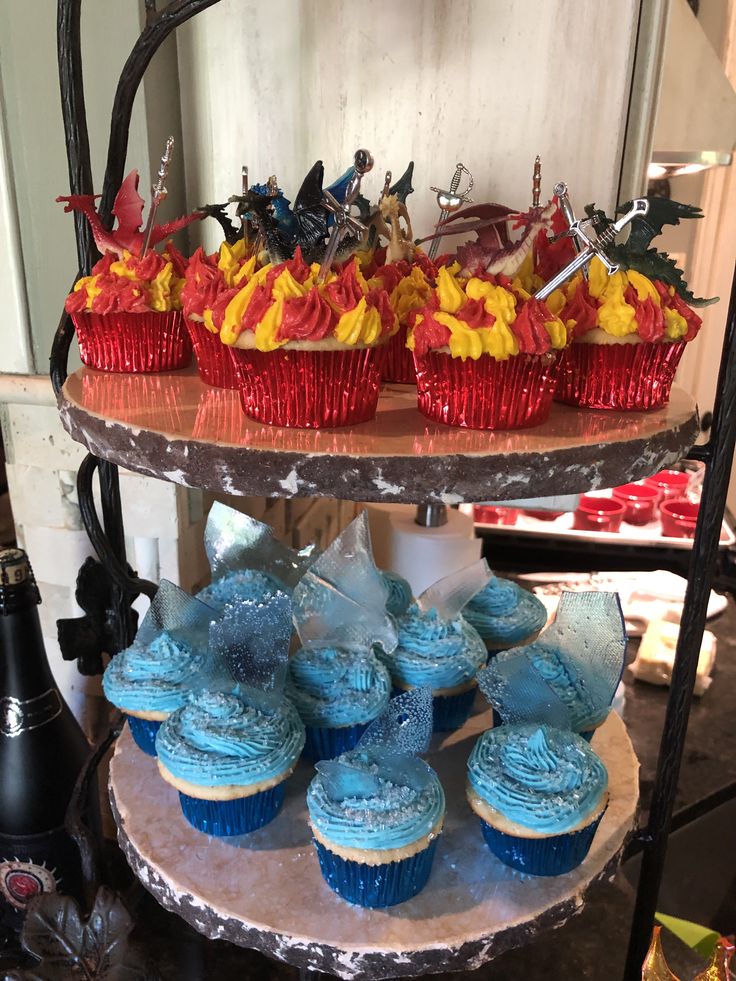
(450, 595)
(235, 541)
(589, 632)
(404, 770)
(341, 600)
(178, 613)
(253, 637)
(343, 781)
(518, 692)
(405, 726)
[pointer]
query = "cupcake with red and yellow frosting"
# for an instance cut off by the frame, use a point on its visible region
(307, 352)
(485, 353)
(629, 333)
(127, 312)
(409, 285)
(211, 281)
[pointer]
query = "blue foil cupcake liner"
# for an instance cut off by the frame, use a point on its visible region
(224, 818)
(324, 743)
(554, 855)
(376, 886)
(452, 711)
(144, 732)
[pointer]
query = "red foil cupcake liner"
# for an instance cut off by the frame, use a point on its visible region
(214, 361)
(398, 361)
(309, 389)
(133, 342)
(486, 394)
(618, 376)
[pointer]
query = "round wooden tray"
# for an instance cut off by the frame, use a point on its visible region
(265, 890)
(175, 427)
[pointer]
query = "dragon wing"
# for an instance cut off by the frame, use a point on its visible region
(128, 209)
(338, 188)
(402, 188)
(662, 211)
(310, 214)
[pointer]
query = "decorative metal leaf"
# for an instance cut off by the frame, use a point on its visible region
(69, 946)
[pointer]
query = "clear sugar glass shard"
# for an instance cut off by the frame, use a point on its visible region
(450, 595)
(341, 600)
(235, 541)
(253, 638)
(519, 694)
(404, 770)
(589, 632)
(342, 781)
(405, 726)
(178, 613)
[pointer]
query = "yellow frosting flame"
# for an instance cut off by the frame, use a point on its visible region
(449, 291)
(267, 329)
(361, 325)
(230, 330)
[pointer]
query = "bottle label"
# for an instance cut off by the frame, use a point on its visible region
(21, 715)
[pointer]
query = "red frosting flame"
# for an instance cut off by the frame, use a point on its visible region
(306, 318)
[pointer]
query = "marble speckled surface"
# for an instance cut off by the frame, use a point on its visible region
(266, 891)
(174, 427)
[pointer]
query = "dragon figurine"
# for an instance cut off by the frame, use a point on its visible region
(128, 235)
(637, 252)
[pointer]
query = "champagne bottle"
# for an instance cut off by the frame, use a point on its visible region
(42, 750)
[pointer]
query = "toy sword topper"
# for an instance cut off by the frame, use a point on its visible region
(593, 247)
(344, 222)
(158, 192)
(563, 198)
(450, 201)
(536, 182)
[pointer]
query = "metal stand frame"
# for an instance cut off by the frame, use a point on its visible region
(110, 544)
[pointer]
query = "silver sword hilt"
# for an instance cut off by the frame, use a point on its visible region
(593, 247)
(158, 192)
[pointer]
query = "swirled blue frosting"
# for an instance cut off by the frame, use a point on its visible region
(241, 737)
(369, 798)
(244, 584)
(545, 779)
(567, 685)
(158, 677)
(399, 594)
(333, 687)
(434, 652)
(504, 613)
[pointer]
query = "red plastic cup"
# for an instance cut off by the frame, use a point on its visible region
(670, 483)
(490, 515)
(542, 515)
(679, 517)
(598, 514)
(640, 501)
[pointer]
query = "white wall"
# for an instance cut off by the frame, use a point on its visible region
(488, 82)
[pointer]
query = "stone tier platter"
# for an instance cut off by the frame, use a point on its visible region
(265, 890)
(174, 427)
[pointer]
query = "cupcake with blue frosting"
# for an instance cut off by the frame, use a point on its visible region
(505, 615)
(340, 613)
(568, 676)
(229, 753)
(438, 649)
(337, 693)
(168, 659)
(540, 794)
(376, 812)
(246, 561)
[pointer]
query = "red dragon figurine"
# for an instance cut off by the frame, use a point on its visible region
(128, 210)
